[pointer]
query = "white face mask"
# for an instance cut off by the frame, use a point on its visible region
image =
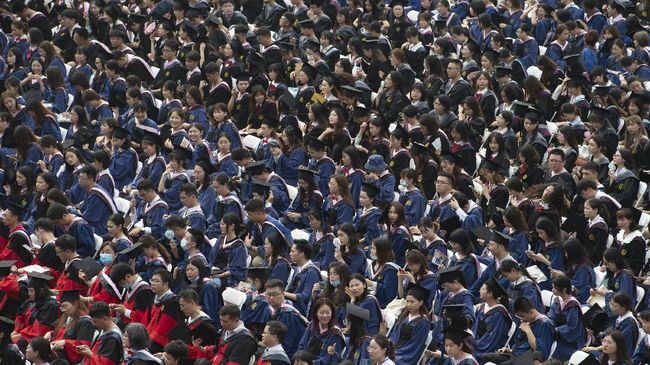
(184, 244)
(169, 234)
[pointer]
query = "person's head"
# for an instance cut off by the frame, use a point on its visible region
(615, 347)
(444, 183)
(623, 158)
(381, 251)
(524, 309)
(39, 349)
(100, 315)
(547, 231)
(175, 352)
(273, 334)
(87, 177)
(300, 253)
(625, 219)
(325, 312)
(146, 190)
(380, 348)
(189, 303)
(348, 237)
(229, 317)
(621, 304)
(416, 263)
(135, 337)
(274, 292)
(302, 357)
(594, 207)
(66, 247)
(458, 342)
(460, 242)
(358, 286)
(255, 211)
(196, 270)
(160, 281)
(562, 286)
(108, 253)
(614, 261)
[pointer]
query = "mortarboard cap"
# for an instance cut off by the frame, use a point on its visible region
(502, 71)
(288, 101)
(398, 2)
(574, 223)
(205, 330)
(572, 59)
(419, 292)
(454, 158)
(456, 334)
(88, 266)
(70, 296)
(360, 112)
(114, 11)
(152, 138)
(643, 96)
(449, 275)
(192, 13)
(309, 70)
(316, 143)
(453, 310)
(120, 133)
(137, 18)
(495, 288)
(483, 233)
(180, 332)
(492, 54)
(371, 189)
(131, 248)
(243, 76)
(357, 311)
(489, 164)
(440, 23)
(602, 90)
(7, 263)
(306, 174)
(212, 19)
(6, 325)
(15, 208)
(595, 318)
(307, 23)
(261, 273)
(419, 148)
(500, 238)
(520, 108)
(312, 44)
(37, 276)
(256, 168)
(351, 91)
(597, 113)
(261, 188)
(370, 43)
(286, 46)
(583, 358)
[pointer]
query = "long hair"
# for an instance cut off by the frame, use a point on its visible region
(148, 241)
(621, 348)
(314, 314)
(344, 187)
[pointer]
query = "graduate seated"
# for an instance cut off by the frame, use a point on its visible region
(409, 334)
(305, 277)
(272, 337)
(322, 336)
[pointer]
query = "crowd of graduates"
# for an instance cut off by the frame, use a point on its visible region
(324, 182)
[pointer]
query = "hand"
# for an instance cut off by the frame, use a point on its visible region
(408, 276)
(84, 350)
(331, 350)
(169, 145)
(349, 293)
(525, 327)
(453, 203)
(276, 151)
(41, 165)
(82, 275)
(197, 341)
(57, 345)
(504, 350)
(589, 349)
(337, 254)
(316, 287)
(248, 241)
(117, 308)
(135, 231)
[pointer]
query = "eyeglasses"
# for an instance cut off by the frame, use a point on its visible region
(442, 183)
(272, 294)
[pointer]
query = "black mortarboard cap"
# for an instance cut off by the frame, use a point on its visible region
(181, 331)
(309, 70)
(455, 158)
(305, 173)
(114, 11)
(88, 266)
(307, 23)
(524, 359)
(256, 168)
(316, 143)
(520, 108)
(483, 233)
(211, 19)
(574, 223)
(121, 133)
(453, 310)
(288, 100)
(205, 330)
(492, 54)
(153, 138)
(595, 318)
(351, 91)
(261, 188)
(285, 46)
(207, 166)
(500, 238)
(70, 296)
(370, 43)
(419, 148)
(449, 275)
(602, 90)
(243, 76)
(39, 276)
(644, 96)
(312, 44)
(502, 71)
(456, 334)
(440, 23)
(371, 189)
(131, 248)
(572, 59)
(489, 164)
(192, 13)
(398, 2)
(496, 288)
(583, 358)
(597, 112)
(137, 18)
(255, 57)
(357, 311)
(360, 112)
(68, 143)
(419, 292)
(258, 272)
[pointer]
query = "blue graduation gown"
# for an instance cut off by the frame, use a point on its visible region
(152, 169)
(256, 310)
(123, 167)
(228, 128)
(172, 190)
(83, 234)
(59, 99)
(554, 253)
(227, 166)
(97, 208)
(222, 206)
(152, 216)
(630, 330)
(54, 162)
(210, 299)
(290, 317)
(642, 352)
(269, 226)
(342, 210)
(302, 206)
(106, 182)
(400, 239)
(196, 114)
(556, 53)
(517, 245)
(583, 279)
(358, 355)
(529, 49)
(281, 270)
(325, 168)
(303, 282)
(355, 178)
(317, 343)
(597, 22)
(473, 219)
(490, 271)
(569, 327)
(367, 222)
(414, 205)
(435, 251)
(386, 185)
(33, 155)
(356, 262)
(469, 265)
(409, 338)
(622, 281)
(165, 108)
(386, 280)
(73, 191)
(280, 193)
(372, 305)
(237, 254)
(50, 126)
(463, 297)
(544, 331)
(429, 282)
(442, 212)
(528, 289)
(491, 329)
(324, 250)
(150, 266)
(207, 199)
(286, 165)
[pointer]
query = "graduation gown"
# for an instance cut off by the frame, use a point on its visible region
(326, 169)
(366, 223)
(97, 208)
(491, 328)
(386, 279)
(296, 325)
(161, 318)
(316, 343)
(629, 327)
(69, 279)
(137, 300)
(35, 319)
(81, 334)
(529, 289)
(107, 349)
(624, 188)
(595, 240)
(302, 284)
(338, 212)
(302, 206)
(286, 165)
(400, 240)
(409, 337)
(356, 261)
(544, 331)
(324, 250)
(569, 326)
(223, 205)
